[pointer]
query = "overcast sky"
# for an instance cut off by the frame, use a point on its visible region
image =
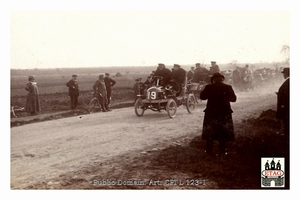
(54, 39)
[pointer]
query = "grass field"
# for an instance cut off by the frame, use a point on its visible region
(50, 84)
(53, 91)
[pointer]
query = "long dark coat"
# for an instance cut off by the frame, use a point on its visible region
(283, 100)
(32, 102)
(179, 75)
(109, 83)
(166, 74)
(218, 124)
(73, 88)
(201, 74)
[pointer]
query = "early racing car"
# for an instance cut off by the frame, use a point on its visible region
(157, 98)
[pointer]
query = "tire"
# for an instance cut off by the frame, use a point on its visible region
(191, 103)
(138, 107)
(171, 108)
(86, 98)
(92, 105)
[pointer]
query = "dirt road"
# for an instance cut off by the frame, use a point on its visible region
(44, 153)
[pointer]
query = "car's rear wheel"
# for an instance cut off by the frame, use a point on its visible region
(171, 108)
(139, 107)
(191, 103)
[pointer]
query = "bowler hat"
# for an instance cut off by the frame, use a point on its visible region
(286, 70)
(216, 75)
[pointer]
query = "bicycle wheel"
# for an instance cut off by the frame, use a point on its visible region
(92, 105)
(111, 101)
(86, 98)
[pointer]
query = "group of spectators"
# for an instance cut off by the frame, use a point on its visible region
(245, 79)
(102, 89)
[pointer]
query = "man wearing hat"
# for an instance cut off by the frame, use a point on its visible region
(201, 74)
(178, 76)
(109, 83)
(283, 102)
(163, 72)
(190, 74)
(100, 88)
(73, 91)
(214, 68)
(149, 81)
(218, 123)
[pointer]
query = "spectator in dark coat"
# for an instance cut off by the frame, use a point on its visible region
(283, 102)
(218, 123)
(163, 72)
(32, 101)
(73, 91)
(109, 83)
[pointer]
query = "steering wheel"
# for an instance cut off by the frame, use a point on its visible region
(158, 77)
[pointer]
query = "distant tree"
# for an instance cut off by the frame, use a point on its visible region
(285, 50)
(233, 64)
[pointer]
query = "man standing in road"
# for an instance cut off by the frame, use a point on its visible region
(73, 91)
(109, 83)
(283, 102)
(100, 89)
(218, 123)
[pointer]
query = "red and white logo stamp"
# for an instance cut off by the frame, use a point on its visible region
(272, 172)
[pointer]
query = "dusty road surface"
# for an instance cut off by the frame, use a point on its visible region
(58, 153)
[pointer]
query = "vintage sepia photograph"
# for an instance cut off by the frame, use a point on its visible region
(165, 98)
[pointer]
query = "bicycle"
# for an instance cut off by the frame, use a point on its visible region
(87, 97)
(94, 102)
(15, 109)
(111, 99)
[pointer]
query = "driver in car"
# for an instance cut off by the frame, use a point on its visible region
(163, 72)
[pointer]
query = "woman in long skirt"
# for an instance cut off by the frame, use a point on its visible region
(32, 102)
